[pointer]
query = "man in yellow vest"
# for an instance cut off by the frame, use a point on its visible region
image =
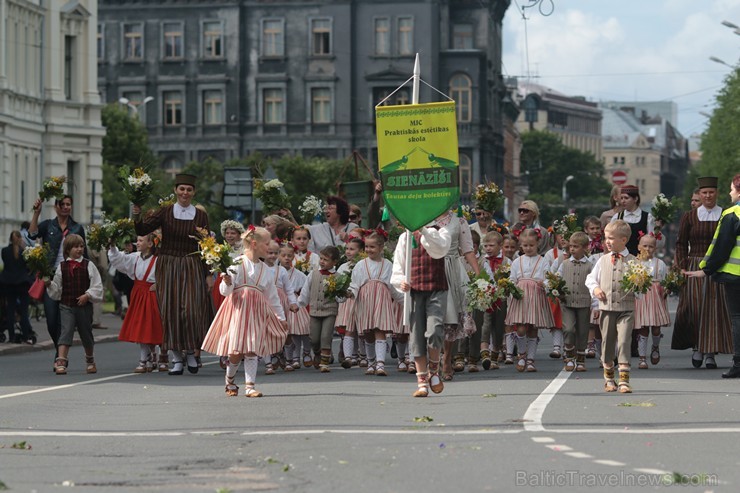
(722, 262)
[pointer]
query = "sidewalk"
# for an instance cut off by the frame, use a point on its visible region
(109, 320)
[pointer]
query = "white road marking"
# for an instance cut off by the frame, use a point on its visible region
(643, 431)
(95, 434)
(542, 439)
(426, 431)
(659, 472)
(559, 447)
(579, 455)
(607, 462)
(535, 411)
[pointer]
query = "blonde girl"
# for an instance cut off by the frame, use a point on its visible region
(345, 322)
(298, 321)
(651, 310)
(287, 299)
(251, 321)
(300, 239)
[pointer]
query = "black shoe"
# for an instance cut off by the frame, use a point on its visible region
(394, 352)
(192, 363)
(697, 362)
(733, 372)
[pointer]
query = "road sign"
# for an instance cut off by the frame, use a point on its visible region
(619, 177)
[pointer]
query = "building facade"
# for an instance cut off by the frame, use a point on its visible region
(226, 79)
(49, 107)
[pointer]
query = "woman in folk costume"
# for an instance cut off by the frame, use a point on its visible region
(182, 279)
(143, 322)
(231, 231)
(251, 321)
(298, 321)
(702, 318)
(458, 323)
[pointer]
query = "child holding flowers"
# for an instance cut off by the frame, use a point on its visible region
(576, 303)
(616, 304)
(251, 321)
(498, 267)
(298, 321)
(651, 310)
(304, 260)
(375, 315)
(532, 311)
(142, 324)
(287, 299)
(345, 322)
(231, 232)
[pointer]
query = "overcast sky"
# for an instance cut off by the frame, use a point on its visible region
(627, 50)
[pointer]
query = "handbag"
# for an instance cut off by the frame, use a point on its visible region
(37, 290)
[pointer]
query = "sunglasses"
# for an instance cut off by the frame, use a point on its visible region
(524, 211)
(353, 216)
(480, 213)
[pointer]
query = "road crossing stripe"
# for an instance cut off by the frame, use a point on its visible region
(533, 417)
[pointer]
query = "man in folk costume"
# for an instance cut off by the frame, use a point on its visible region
(428, 286)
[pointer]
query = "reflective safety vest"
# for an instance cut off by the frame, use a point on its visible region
(732, 266)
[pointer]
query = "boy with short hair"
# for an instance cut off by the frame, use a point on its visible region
(592, 227)
(616, 305)
(493, 323)
(323, 310)
(577, 305)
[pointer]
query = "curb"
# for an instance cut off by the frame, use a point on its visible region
(47, 345)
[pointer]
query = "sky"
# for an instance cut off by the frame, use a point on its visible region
(626, 50)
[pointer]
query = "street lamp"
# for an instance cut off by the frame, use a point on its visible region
(720, 61)
(565, 189)
(735, 28)
(127, 102)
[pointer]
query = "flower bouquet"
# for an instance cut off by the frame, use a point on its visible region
(566, 226)
(53, 188)
(482, 294)
(674, 281)
(502, 276)
(37, 260)
(488, 197)
(555, 286)
(272, 197)
(663, 210)
(464, 212)
(637, 279)
(123, 231)
(214, 254)
(98, 236)
(168, 200)
(311, 209)
(109, 232)
(303, 265)
(336, 286)
(137, 184)
(502, 229)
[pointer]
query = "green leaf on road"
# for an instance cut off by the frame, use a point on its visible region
(636, 404)
(488, 396)
(3, 486)
(423, 419)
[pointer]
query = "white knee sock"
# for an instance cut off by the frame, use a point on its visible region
(289, 352)
(557, 338)
(642, 345)
(401, 348)
(175, 356)
(144, 352)
(531, 347)
(348, 344)
(521, 344)
(656, 340)
(509, 342)
(369, 350)
(306, 343)
(380, 349)
(250, 369)
(232, 368)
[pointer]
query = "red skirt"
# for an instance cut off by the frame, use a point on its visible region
(143, 323)
(218, 298)
(557, 312)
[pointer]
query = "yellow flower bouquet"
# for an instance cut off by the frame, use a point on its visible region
(555, 286)
(336, 286)
(214, 254)
(53, 188)
(637, 279)
(37, 260)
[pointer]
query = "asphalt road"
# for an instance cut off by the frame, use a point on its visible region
(343, 431)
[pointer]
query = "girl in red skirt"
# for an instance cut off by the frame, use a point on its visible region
(251, 320)
(375, 316)
(143, 323)
(298, 321)
(651, 309)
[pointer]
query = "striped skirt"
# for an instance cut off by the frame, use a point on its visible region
(532, 309)
(184, 301)
(298, 322)
(456, 280)
(374, 308)
(245, 323)
(651, 309)
(702, 318)
(346, 315)
(398, 313)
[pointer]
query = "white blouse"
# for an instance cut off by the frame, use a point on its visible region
(282, 281)
(657, 268)
(313, 259)
(132, 264)
(487, 265)
(381, 271)
(555, 263)
(255, 274)
(297, 279)
(529, 267)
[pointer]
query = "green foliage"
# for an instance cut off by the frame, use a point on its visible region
(548, 162)
(719, 144)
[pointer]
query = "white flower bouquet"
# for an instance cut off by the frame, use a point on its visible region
(137, 184)
(310, 209)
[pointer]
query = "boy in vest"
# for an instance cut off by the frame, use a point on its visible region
(76, 285)
(428, 287)
(577, 305)
(616, 305)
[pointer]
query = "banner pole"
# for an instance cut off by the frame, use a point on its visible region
(409, 236)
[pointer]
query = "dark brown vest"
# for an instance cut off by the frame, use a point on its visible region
(427, 274)
(74, 286)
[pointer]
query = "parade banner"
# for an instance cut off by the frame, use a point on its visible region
(418, 160)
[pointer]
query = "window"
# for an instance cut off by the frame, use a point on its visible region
(405, 36)
(172, 32)
(134, 98)
(466, 174)
(101, 42)
(382, 36)
(213, 108)
(320, 105)
(273, 106)
(172, 109)
(213, 39)
(69, 68)
(172, 165)
(321, 36)
(272, 37)
(402, 96)
(461, 91)
(133, 41)
(462, 37)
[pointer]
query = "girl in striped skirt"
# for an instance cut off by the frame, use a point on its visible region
(251, 320)
(651, 310)
(287, 300)
(532, 311)
(345, 322)
(375, 316)
(297, 320)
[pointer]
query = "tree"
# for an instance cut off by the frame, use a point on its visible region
(125, 143)
(548, 162)
(719, 145)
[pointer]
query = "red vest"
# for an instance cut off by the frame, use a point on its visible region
(427, 274)
(74, 283)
